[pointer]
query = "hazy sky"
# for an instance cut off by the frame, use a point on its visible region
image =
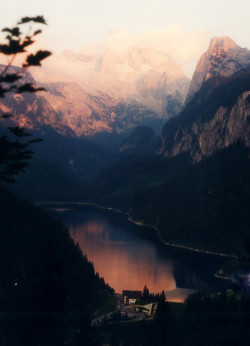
(183, 26)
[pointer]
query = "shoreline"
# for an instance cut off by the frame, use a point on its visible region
(141, 224)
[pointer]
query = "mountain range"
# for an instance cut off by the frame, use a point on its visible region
(191, 182)
(120, 91)
(144, 75)
(195, 189)
(102, 145)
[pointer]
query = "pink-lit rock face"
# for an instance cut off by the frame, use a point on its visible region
(113, 92)
(223, 57)
(121, 264)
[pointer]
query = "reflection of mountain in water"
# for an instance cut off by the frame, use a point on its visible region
(127, 260)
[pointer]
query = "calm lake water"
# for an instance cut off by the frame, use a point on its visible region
(130, 256)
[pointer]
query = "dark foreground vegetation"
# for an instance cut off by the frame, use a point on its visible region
(222, 319)
(48, 288)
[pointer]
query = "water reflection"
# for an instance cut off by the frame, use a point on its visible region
(127, 260)
(125, 263)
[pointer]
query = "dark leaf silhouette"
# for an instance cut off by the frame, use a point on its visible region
(35, 60)
(14, 47)
(14, 31)
(28, 88)
(10, 78)
(27, 42)
(37, 19)
(18, 131)
(37, 32)
(6, 116)
(3, 91)
(14, 149)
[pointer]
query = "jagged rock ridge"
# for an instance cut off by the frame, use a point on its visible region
(122, 90)
(218, 114)
(134, 74)
(223, 57)
(138, 74)
(70, 110)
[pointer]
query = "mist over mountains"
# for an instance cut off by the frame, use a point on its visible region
(119, 90)
(146, 167)
(195, 189)
(103, 144)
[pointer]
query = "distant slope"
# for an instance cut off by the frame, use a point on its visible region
(130, 74)
(124, 90)
(61, 167)
(72, 111)
(141, 141)
(203, 205)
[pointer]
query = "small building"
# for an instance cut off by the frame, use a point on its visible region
(148, 309)
(130, 297)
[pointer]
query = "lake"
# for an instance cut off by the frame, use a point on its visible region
(129, 256)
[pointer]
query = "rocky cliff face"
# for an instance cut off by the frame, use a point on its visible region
(216, 117)
(83, 113)
(223, 58)
(133, 74)
(136, 73)
(121, 90)
(202, 139)
(70, 110)
(29, 110)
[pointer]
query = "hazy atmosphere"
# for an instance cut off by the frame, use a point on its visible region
(181, 29)
(124, 173)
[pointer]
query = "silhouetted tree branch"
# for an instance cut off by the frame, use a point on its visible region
(15, 148)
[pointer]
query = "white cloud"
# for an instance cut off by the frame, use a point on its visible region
(184, 48)
(172, 40)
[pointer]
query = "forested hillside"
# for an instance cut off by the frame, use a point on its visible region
(44, 277)
(203, 205)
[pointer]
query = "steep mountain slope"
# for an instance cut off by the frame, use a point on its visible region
(196, 191)
(217, 106)
(70, 110)
(223, 58)
(29, 110)
(118, 90)
(79, 111)
(136, 74)
(217, 116)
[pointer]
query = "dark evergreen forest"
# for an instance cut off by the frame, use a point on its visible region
(48, 288)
